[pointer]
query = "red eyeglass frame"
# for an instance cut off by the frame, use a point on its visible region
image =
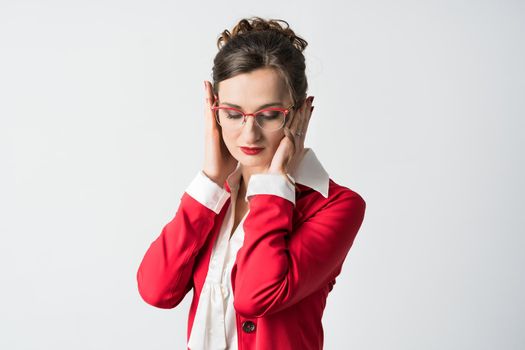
(245, 115)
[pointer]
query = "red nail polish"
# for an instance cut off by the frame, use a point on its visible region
(312, 109)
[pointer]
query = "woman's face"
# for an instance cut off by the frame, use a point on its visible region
(250, 91)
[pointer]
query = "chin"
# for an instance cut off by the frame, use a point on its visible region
(252, 161)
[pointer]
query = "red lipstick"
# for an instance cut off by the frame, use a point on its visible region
(251, 150)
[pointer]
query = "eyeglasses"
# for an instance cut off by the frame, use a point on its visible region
(268, 119)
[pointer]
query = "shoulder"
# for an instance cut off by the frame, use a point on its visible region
(336, 190)
(340, 197)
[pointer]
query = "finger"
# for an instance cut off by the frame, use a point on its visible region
(308, 115)
(208, 93)
(288, 133)
(293, 127)
(302, 122)
(290, 130)
(209, 102)
(297, 116)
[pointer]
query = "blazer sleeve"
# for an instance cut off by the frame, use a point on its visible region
(276, 184)
(164, 276)
(274, 269)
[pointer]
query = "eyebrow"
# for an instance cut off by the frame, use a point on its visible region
(259, 108)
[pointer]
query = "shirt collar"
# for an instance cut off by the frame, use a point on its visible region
(309, 172)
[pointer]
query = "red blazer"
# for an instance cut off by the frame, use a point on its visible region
(282, 274)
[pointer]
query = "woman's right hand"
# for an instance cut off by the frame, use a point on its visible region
(218, 161)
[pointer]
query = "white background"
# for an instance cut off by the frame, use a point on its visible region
(419, 108)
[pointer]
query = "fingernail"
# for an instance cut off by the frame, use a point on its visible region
(312, 109)
(312, 99)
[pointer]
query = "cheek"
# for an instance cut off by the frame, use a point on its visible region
(275, 140)
(229, 141)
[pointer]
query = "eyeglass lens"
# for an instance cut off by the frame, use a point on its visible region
(267, 120)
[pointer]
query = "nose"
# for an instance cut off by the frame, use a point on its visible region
(250, 130)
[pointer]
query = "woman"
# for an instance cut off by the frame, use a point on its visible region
(262, 231)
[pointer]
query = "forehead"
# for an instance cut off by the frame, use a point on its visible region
(254, 88)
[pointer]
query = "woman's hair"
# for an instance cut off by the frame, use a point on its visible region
(256, 43)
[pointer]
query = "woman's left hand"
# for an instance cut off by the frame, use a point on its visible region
(291, 148)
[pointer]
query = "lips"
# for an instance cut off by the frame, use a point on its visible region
(251, 150)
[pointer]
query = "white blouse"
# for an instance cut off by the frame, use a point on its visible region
(215, 326)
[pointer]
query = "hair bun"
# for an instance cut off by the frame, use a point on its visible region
(257, 24)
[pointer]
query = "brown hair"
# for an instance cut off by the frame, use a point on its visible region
(256, 43)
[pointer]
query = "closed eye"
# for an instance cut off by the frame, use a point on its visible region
(270, 114)
(233, 115)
